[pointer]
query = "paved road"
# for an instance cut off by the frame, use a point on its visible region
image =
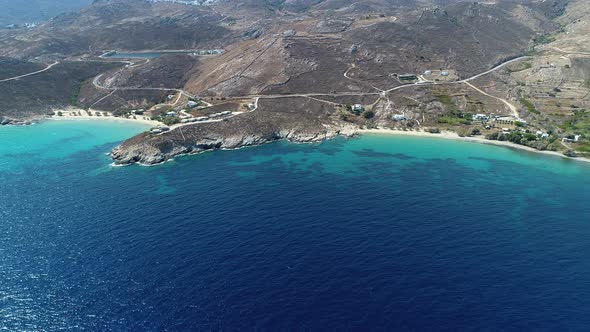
(495, 68)
(29, 74)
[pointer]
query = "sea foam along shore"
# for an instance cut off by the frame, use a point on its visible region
(72, 114)
(454, 136)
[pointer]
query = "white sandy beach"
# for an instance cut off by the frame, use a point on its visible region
(72, 114)
(454, 136)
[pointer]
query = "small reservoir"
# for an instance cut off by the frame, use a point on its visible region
(156, 54)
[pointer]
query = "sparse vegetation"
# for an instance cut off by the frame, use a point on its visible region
(523, 66)
(514, 137)
(529, 106)
(583, 147)
(456, 118)
(579, 123)
(75, 95)
(543, 39)
(446, 100)
(167, 120)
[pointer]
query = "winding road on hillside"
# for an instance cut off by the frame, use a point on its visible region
(466, 81)
(30, 74)
(381, 93)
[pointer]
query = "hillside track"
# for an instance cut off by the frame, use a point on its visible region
(30, 74)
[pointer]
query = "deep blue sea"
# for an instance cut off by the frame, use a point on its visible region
(379, 233)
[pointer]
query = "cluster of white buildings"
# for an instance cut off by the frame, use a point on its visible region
(480, 117)
(210, 52)
(442, 73)
(192, 104)
(205, 118)
(576, 138)
(357, 108)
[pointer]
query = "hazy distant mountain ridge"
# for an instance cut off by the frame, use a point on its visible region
(17, 12)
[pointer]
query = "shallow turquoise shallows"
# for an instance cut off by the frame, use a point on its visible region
(378, 233)
(50, 140)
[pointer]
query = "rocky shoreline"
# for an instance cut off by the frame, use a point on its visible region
(18, 122)
(148, 151)
(274, 120)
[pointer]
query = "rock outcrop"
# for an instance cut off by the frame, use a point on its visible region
(147, 150)
(311, 124)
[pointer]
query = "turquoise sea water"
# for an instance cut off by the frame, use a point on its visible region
(55, 140)
(375, 233)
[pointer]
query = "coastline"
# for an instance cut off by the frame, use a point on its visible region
(453, 136)
(69, 114)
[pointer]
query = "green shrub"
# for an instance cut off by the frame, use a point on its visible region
(433, 130)
(543, 39)
(170, 120)
(529, 106)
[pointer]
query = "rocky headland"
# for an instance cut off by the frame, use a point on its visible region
(249, 129)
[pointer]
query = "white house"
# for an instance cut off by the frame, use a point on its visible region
(192, 104)
(357, 108)
(171, 113)
(542, 134)
(480, 117)
(399, 117)
(444, 73)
